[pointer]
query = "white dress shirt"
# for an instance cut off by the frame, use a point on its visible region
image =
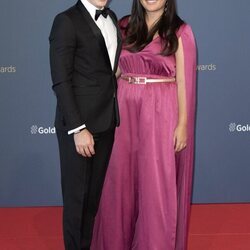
(109, 34)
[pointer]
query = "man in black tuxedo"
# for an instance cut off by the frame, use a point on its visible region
(85, 44)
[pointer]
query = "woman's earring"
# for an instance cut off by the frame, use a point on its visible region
(166, 7)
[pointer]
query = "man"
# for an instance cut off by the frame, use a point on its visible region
(84, 49)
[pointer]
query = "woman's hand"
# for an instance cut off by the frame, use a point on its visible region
(180, 138)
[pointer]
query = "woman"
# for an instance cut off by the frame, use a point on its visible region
(146, 197)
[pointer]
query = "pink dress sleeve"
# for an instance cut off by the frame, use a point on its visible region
(185, 159)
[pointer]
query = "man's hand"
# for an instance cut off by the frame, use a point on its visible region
(84, 143)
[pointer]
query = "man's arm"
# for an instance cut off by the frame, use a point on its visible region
(62, 52)
(62, 49)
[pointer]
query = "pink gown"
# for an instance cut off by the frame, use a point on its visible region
(146, 197)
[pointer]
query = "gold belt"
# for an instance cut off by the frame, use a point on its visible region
(145, 80)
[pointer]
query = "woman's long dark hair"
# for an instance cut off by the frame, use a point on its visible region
(137, 35)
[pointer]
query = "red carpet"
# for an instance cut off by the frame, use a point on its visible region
(220, 227)
(213, 227)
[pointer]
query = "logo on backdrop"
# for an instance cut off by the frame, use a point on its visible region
(39, 130)
(207, 67)
(239, 128)
(8, 69)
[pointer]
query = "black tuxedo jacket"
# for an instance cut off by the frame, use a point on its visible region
(83, 79)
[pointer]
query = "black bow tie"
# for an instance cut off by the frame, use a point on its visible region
(104, 12)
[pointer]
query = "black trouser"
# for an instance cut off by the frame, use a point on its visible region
(82, 181)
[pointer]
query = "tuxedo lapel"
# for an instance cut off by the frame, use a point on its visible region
(119, 41)
(95, 30)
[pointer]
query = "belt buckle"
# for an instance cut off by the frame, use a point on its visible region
(138, 80)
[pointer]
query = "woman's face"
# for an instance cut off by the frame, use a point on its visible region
(153, 5)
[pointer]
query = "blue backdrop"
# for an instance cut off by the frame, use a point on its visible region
(29, 161)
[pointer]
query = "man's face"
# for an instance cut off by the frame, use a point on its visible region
(99, 3)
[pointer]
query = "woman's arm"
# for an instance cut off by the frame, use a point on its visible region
(180, 135)
(118, 73)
